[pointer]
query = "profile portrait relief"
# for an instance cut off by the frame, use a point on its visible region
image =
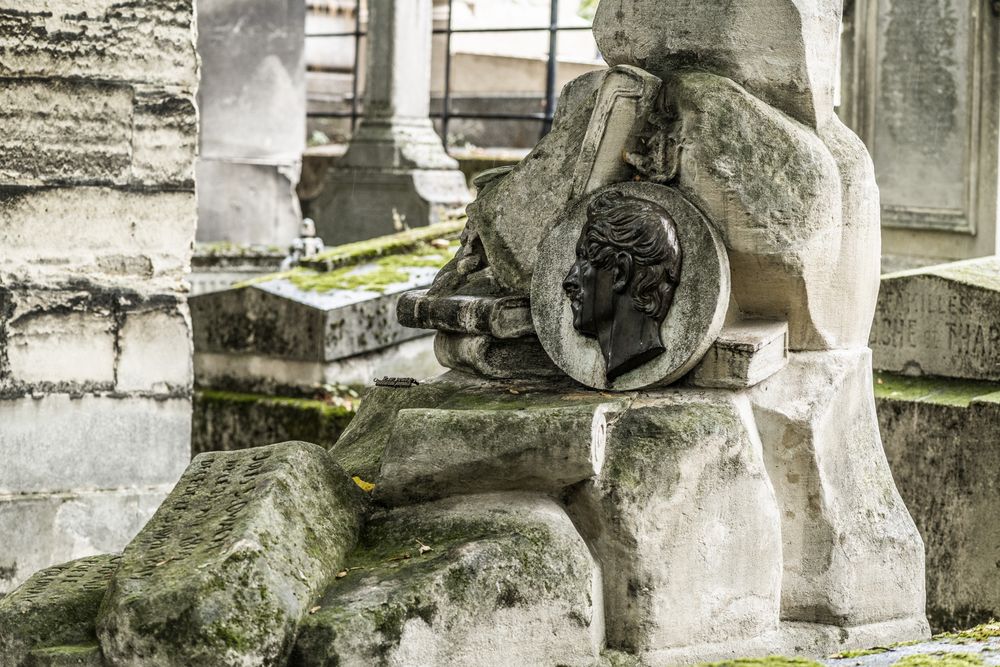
(622, 284)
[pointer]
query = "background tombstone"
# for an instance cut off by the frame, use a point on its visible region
(396, 173)
(97, 220)
(922, 89)
(253, 120)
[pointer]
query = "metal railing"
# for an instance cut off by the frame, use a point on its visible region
(446, 114)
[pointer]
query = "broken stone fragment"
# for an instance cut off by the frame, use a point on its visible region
(478, 580)
(229, 564)
(531, 441)
(55, 607)
(684, 521)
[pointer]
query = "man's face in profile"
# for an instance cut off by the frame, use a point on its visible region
(581, 285)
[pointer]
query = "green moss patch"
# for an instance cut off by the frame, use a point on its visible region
(980, 633)
(396, 244)
(940, 659)
(933, 390)
(770, 661)
(860, 653)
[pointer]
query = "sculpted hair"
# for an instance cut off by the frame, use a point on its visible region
(646, 232)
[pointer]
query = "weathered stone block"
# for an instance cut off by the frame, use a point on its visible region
(154, 351)
(490, 580)
(852, 555)
(38, 459)
(40, 529)
(792, 211)
(55, 607)
(66, 131)
(114, 235)
(114, 40)
(493, 357)
(941, 320)
(745, 354)
(165, 138)
(940, 439)
(783, 51)
(684, 520)
(54, 347)
(74, 655)
(532, 440)
(229, 564)
(260, 197)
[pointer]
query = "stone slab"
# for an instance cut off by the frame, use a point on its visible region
(692, 324)
(128, 442)
(941, 320)
(229, 564)
(745, 354)
(113, 40)
(517, 442)
(504, 580)
(55, 607)
(247, 202)
(940, 440)
(44, 529)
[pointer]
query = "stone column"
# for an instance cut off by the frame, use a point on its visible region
(97, 218)
(923, 92)
(253, 120)
(396, 173)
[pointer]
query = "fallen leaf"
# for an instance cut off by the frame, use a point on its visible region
(367, 487)
(423, 547)
(315, 609)
(342, 574)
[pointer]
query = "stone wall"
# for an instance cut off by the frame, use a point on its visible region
(97, 219)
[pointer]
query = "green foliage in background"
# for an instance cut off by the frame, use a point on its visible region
(587, 9)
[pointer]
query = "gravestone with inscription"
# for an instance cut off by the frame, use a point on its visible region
(656, 443)
(936, 345)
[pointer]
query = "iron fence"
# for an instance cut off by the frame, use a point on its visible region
(445, 113)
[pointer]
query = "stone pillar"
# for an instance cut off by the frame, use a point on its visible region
(97, 219)
(923, 91)
(253, 120)
(396, 173)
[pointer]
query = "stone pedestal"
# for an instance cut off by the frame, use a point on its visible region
(395, 174)
(253, 120)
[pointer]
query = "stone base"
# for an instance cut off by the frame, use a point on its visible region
(811, 640)
(359, 204)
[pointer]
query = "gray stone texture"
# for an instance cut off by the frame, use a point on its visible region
(684, 520)
(97, 224)
(488, 580)
(396, 173)
(794, 208)
(941, 320)
(231, 561)
(745, 354)
(940, 438)
(55, 607)
(252, 100)
(922, 88)
(852, 555)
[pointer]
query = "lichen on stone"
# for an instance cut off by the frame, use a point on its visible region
(940, 659)
(933, 390)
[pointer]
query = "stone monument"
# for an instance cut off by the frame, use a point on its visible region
(657, 443)
(396, 173)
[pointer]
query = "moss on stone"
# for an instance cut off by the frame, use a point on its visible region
(403, 242)
(933, 390)
(860, 653)
(940, 659)
(980, 633)
(229, 420)
(770, 661)
(376, 276)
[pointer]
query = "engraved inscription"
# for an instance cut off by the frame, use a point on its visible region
(88, 575)
(203, 511)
